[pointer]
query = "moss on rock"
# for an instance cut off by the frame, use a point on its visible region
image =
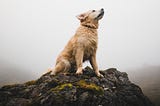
(61, 87)
(90, 86)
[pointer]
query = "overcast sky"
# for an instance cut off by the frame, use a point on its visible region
(33, 32)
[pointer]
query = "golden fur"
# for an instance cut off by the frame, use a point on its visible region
(82, 46)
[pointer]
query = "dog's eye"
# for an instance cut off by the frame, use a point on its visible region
(93, 10)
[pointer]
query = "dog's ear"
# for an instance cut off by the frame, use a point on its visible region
(81, 17)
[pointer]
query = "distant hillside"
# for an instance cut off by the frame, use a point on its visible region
(148, 78)
(10, 74)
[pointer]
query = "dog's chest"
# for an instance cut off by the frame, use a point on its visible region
(89, 44)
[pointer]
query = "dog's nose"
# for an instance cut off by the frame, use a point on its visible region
(102, 9)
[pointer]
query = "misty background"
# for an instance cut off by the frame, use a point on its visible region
(33, 32)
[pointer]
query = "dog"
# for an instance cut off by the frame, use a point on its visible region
(82, 46)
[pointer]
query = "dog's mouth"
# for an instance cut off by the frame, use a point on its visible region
(100, 15)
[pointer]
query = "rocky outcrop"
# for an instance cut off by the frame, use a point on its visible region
(114, 89)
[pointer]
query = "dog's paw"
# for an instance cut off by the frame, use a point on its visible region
(100, 75)
(52, 73)
(79, 72)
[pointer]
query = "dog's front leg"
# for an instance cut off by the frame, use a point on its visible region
(95, 66)
(79, 60)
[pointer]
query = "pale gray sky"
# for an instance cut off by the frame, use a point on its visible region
(33, 32)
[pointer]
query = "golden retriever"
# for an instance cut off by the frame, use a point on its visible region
(82, 46)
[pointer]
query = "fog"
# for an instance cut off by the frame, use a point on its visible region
(33, 32)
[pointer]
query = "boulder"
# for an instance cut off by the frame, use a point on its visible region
(69, 89)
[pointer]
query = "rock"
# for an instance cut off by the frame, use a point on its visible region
(114, 89)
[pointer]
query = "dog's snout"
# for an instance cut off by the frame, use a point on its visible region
(102, 9)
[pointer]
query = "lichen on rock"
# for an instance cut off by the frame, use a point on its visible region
(90, 86)
(61, 87)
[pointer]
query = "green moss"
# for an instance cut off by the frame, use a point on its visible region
(61, 87)
(90, 86)
(30, 82)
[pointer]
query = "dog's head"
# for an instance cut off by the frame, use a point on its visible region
(91, 18)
